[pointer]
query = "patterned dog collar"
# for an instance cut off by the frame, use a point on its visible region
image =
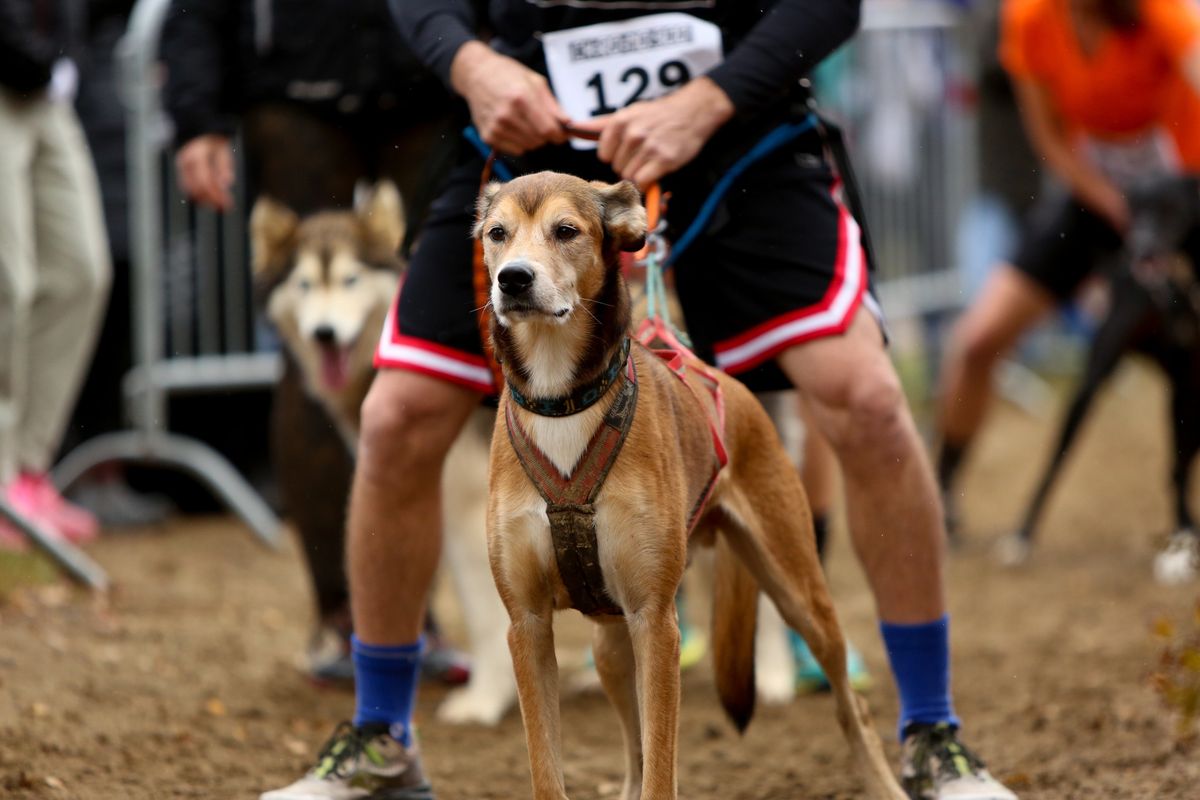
(582, 398)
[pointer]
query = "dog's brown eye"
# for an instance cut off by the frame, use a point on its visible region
(566, 233)
(496, 234)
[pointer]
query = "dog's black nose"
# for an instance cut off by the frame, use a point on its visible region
(515, 279)
(325, 334)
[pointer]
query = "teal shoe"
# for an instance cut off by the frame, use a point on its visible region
(811, 678)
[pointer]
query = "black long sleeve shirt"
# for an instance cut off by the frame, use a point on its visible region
(769, 45)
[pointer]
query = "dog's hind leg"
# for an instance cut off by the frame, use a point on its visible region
(613, 650)
(773, 536)
(1111, 342)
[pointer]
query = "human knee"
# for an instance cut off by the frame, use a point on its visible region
(871, 413)
(403, 431)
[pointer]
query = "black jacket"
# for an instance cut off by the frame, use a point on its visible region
(337, 56)
(26, 54)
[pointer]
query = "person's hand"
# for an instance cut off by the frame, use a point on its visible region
(1104, 198)
(512, 106)
(653, 138)
(205, 168)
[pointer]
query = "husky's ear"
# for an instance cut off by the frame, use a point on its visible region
(624, 215)
(381, 213)
(272, 235)
(483, 205)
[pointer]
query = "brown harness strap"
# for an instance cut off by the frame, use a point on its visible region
(570, 500)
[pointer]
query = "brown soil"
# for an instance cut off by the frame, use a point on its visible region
(183, 684)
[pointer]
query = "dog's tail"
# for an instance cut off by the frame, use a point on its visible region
(735, 616)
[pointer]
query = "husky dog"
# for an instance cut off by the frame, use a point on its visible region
(327, 282)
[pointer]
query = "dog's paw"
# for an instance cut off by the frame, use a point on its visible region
(1179, 561)
(474, 705)
(1013, 550)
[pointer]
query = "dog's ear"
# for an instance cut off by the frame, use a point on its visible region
(381, 214)
(483, 205)
(624, 215)
(272, 236)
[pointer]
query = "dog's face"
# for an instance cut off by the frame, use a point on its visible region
(548, 240)
(330, 279)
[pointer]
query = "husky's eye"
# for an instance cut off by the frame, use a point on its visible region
(349, 281)
(304, 284)
(496, 234)
(565, 233)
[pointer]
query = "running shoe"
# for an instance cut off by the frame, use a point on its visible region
(364, 763)
(810, 678)
(76, 523)
(936, 766)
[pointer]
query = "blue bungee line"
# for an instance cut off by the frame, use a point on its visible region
(764, 147)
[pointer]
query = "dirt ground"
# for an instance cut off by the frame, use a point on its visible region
(183, 683)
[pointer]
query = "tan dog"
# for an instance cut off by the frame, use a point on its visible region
(560, 321)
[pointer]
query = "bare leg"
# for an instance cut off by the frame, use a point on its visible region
(613, 651)
(655, 637)
(394, 530)
(1009, 305)
(894, 511)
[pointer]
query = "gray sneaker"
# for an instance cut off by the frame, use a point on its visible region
(360, 764)
(936, 766)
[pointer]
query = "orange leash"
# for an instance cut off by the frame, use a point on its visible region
(483, 292)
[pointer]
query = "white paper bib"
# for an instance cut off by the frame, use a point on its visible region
(1125, 163)
(600, 69)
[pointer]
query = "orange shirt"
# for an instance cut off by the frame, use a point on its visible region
(1131, 84)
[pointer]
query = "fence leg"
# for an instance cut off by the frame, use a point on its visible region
(187, 455)
(70, 558)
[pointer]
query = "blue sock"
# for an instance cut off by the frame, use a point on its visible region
(920, 656)
(385, 685)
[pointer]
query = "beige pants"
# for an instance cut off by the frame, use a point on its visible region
(54, 276)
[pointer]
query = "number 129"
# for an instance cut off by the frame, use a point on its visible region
(670, 75)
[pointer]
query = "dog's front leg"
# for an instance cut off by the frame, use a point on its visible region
(531, 642)
(613, 651)
(655, 635)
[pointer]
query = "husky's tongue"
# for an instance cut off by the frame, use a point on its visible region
(335, 366)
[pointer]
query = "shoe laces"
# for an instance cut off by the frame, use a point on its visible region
(339, 755)
(939, 743)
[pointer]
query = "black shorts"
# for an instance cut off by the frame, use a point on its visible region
(782, 262)
(1063, 243)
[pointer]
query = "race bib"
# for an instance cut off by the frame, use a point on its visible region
(1125, 163)
(599, 69)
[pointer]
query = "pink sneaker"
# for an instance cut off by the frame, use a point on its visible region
(75, 523)
(20, 497)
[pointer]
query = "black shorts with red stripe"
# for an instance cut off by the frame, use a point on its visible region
(782, 262)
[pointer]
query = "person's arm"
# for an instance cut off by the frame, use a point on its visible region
(782, 47)
(1052, 144)
(511, 105)
(192, 49)
(435, 30)
(26, 59)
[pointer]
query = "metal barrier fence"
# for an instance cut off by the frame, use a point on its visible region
(193, 328)
(904, 92)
